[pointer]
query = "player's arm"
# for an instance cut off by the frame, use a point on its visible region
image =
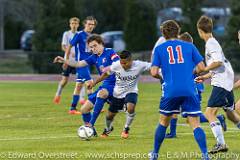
(60, 59)
(155, 72)
(64, 47)
(213, 65)
(67, 51)
(201, 78)
(199, 68)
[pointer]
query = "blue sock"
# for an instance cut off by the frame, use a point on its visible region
(173, 126)
(203, 119)
(97, 109)
(74, 102)
(159, 137)
(200, 137)
(86, 117)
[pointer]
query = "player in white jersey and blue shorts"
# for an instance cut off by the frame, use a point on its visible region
(125, 92)
(222, 80)
(67, 37)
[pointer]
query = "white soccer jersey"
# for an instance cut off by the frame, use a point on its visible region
(127, 80)
(67, 37)
(222, 76)
(159, 41)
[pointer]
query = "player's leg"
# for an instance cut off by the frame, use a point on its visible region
(173, 127)
(82, 96)
(220, 117)
(199, 136)
(102, 96)
(130, 101)
(75, 98)
(216, 100)
(237, 106)
(61, 85)
(168, 106)
(108, 121)
(192, 110)
(86, 111)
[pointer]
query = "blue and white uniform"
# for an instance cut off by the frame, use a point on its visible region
(177, 60)
(104, 60)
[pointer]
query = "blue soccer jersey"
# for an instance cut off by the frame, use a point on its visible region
(177, 60)
(104, 60)
(79, 41)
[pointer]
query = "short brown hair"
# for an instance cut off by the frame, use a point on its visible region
(205, 24)
(95, 37)
(186, 37)
(90, 18)
(74, 19)
(170, 29)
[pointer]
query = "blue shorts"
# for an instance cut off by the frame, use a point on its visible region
(221, 98)
(117, 104)
(68, 71)
(92, 97)
(189, 106)
(83, 74)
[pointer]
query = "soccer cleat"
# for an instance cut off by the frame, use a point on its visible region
(82, 101)
(169, 135)
(219, 148)
(106, 132)
(74, 111)
(57, 99)
(94, 132)
(222, 121)
(125, 133)
(152, 156)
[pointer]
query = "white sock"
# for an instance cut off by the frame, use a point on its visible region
(82, 93)
(108, 123)
(59, 90)
(129, 119)
(217, 132)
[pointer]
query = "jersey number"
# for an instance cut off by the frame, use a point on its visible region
(179, 55)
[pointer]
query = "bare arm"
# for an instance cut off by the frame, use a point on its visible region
(64, 47)
(201, 78)
(199, 68)
(155, 72)
(67, 51)
(101, 78)
(212, 66)
(60, 59)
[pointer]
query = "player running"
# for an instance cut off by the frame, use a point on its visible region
(177, 60)
(222, 79)
(125, 92)
(102, 57)
(67, 37)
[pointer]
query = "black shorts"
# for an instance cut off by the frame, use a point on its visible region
(221, 98)
(68, 71)
(117, 104)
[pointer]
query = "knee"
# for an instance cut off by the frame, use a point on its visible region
(102, 94)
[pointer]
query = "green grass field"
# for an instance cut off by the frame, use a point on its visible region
(32, 127)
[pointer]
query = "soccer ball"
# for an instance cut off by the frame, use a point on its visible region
(85, 132)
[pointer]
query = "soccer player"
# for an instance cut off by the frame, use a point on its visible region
(125, 92)
(222, 78)
(237, 84)
(177, 60)
(67, 37)
(101, 58)
(200, 88)
(83, 73)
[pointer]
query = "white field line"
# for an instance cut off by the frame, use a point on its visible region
(230, 130)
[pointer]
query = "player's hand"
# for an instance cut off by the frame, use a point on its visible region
(90, 85)
(58, 59)
(199, 79)
(64, 66)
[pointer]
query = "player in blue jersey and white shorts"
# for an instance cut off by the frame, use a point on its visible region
(81, 53)
(177, 60)
(101, 58)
